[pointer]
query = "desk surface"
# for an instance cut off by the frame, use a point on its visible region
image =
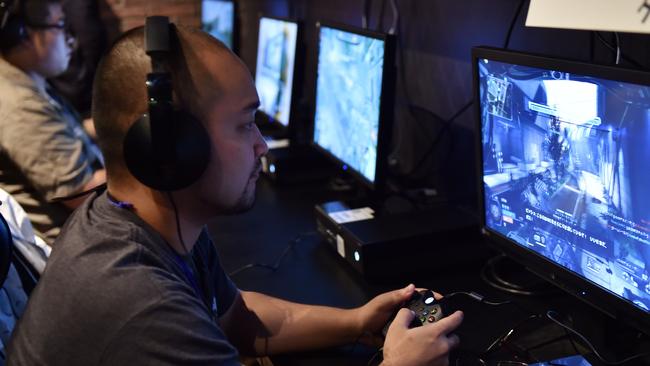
(311, 272)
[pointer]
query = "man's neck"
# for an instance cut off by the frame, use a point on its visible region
(157, 210)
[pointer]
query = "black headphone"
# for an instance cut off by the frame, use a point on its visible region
(12, 24)
(167, 148)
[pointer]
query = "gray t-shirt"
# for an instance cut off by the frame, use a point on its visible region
(44, 152)
(114, 293)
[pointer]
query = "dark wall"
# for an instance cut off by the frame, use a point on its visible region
(434, 72)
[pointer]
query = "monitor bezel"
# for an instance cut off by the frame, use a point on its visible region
(296, 94)
(386, 108)
(567, 280)
(235, 22)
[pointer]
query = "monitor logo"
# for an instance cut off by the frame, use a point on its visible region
(645, 6)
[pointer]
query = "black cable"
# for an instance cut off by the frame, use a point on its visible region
(274, 267)
(617, 58)
(96, 188)
(395, 10)
(382, 11)
(506, 43)
(178, 222)
(477, 297)
(499, 341)
(365, 14)
(613, 49)
(550, 316)
(438, 137)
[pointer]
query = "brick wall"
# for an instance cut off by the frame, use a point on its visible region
(122, 15)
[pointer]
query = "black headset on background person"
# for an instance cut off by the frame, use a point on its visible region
(12, 23)
(167, 148)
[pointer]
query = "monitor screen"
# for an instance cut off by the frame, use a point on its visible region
(217, 18)
(348, 95)
(276, 57)
(566, 170)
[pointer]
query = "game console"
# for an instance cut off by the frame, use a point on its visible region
(380, 244)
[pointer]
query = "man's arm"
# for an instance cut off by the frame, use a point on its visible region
(258, 324)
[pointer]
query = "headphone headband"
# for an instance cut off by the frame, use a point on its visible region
(167, 148)
(5, 10)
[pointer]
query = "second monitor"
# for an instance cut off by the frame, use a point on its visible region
(354, 100)
(218, 19)
(274, 73)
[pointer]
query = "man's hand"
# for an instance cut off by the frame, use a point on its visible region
(374, 315)
(426, 345)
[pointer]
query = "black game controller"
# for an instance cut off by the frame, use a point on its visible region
(425, 306)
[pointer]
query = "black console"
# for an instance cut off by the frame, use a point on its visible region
(382, 244)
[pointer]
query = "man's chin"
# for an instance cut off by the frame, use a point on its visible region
(244, 204)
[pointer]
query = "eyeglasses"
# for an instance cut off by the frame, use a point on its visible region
(60, 25)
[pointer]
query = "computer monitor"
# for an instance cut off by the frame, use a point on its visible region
(218, 19)
(274, 73)
(354, 99)
(564, 167)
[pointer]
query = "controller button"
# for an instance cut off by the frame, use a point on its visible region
(431, 319)
(429, 300)
(434, 310)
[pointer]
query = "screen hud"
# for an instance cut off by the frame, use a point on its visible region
(349, 82)
(566, 162)
(276, 53)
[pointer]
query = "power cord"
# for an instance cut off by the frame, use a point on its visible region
(506, 43)
(617, 49)
(478, 297)
(436, 141)
(367, 4)
(550, 316)
(275, 266)
(394, 25)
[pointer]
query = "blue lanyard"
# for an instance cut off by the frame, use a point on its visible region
(189, 274)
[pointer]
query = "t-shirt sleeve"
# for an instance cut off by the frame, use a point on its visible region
(174, 331)
(45, 148)
(225, 290)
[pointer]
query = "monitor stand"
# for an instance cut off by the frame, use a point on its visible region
(507, 275)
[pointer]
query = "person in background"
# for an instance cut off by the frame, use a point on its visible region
(44, 151)
(75, 84)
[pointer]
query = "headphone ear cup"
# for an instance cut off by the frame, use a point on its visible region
(191, 148)
(12, 33)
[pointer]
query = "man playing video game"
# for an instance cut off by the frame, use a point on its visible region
(135, 278)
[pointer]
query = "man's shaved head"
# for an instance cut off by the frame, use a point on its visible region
(120, 94)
